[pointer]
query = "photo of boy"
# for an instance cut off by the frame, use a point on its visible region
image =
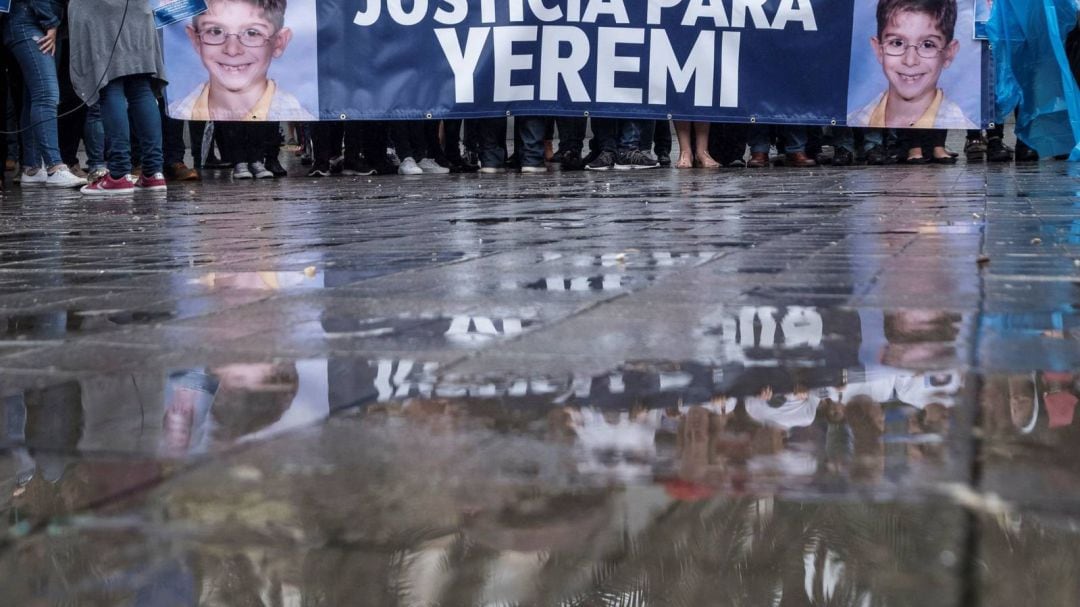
(914, 44)
(236, 41)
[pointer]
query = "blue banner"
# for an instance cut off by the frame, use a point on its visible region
(5, 6)
(771, 61)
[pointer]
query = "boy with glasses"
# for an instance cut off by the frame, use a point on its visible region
(914, 44)
(237, 40)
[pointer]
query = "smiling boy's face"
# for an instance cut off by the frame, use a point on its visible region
(233, 66)
(910, 76)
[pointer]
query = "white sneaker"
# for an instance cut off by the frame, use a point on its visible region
(260, 171)
(492, 170)
(539, 169)
(430, 166)
(241, 171)
(33, 177)
(408, 167)
(62, 177)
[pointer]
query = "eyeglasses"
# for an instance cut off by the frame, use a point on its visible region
(216, 36)
(896, 47)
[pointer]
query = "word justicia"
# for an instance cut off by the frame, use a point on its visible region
(546, 49)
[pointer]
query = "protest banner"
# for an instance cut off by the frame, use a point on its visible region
(767, 61)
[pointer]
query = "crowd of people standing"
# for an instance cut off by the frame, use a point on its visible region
(54, 96)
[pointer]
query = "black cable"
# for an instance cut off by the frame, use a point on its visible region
(108, 64)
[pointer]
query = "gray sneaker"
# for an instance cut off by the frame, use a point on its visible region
(635, 159)
(242, 171)
(604, 161)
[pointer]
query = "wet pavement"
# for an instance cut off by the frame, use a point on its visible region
(787, 387)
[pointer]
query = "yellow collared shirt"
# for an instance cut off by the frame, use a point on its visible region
(926, 121)
(201, 110)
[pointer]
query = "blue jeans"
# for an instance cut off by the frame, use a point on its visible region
(794, 138)
(41, 95)
(131, 96)
(620, 134)
(530, 129)
(94, 138)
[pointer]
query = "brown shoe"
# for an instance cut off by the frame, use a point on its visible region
(799, 159)
(178, 171)
(758, 160)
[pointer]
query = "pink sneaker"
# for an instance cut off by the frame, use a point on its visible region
(107, 186)
(153, 183)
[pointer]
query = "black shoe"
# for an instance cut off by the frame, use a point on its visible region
(513, 163)
(916, 160)
(273, 165)
(320, 169)
(568, 160)
(634, 160)
(604, 161)
(337, 164)
(876, 156)
(458, 164)
(843, 157)
(975, 149)
(947, 159)
(1025, 153)
(664, 159)
(997, 151)
(356, 166)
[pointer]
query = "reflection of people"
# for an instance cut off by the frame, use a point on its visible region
(914, 44)
(237, 40)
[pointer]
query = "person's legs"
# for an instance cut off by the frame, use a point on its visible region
(795, 140)
(702, 158)
(686, 150)
(843, 145)
(530, 130)
(492, 133)
(40, 98)
(662, 141)
(629, 155)
(172, 140)
(94, 138)
(71, 117)
(326, 141)
(114, 117)
(758, 138)
(604, 143)
(145, 116)
(571, 131)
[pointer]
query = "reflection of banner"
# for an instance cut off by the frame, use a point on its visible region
(772, 61)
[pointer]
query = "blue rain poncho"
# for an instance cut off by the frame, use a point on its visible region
(1033, 75)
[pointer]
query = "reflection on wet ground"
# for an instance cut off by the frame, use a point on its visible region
(861, 392)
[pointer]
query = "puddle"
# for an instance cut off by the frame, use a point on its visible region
(62, 323)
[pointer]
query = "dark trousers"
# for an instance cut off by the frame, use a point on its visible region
(617, 135)
(71, 111)
(492, 133)
(172, 135)
(571, 132)
(410, 139)
(327, 137)
(244, 141)
(727, 142)
(9, 72)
